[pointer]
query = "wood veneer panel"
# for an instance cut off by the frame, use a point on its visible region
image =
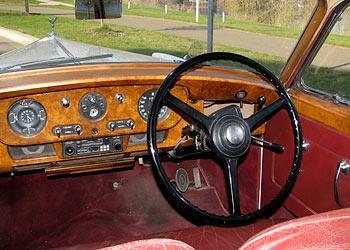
(325, 112)
(59, 116)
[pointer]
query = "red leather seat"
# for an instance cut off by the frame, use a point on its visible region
(212, 238)
(200, 238)
(330, 230)
(152, 244)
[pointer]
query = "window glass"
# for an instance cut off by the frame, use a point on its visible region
(330, 69)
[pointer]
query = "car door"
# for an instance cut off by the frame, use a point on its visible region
(318, 77)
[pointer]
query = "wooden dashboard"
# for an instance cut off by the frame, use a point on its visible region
(48, 146)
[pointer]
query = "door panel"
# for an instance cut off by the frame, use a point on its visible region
(314, 188)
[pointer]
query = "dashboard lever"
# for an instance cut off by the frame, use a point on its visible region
(111, 126)
(131, 124)
(274, 147)
(58, 132)
(261, 101)
(78, 130)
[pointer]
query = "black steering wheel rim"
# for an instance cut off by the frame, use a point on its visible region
(171, 192)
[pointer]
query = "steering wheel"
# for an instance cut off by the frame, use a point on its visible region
(229, 137)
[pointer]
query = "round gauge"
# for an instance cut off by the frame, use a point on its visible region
(144, 106)
(26, 117)
(93, 106)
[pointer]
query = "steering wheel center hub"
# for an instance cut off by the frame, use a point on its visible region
(235, 134)
(230, 136)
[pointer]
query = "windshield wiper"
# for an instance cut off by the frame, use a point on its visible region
(54, 62)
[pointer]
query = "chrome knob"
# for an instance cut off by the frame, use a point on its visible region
(65, 102)
(119, 98)
(111, 126)
(58, 132)
(131, 124)
(78, 130)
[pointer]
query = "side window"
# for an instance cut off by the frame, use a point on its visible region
(329, 72)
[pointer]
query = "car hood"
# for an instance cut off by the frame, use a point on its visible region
(56, 47)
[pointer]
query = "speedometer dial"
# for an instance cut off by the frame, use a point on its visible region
(145, 103)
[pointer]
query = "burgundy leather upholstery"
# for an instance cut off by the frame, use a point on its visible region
(209, 237)
(200, 238)
(152, 244)
(330, 230)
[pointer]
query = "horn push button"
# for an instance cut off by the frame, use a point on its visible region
(235, 134)
(230, 136)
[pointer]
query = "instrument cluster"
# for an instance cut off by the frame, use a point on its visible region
(27, 117)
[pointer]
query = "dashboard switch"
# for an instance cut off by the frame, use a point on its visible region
(119, 98)
(131, 124)
(78, 129)
(58, 132)
(73, 129)
(121, 124)
(111, 126)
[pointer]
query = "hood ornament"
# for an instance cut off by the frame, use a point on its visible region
(53, 33)
(55, 38)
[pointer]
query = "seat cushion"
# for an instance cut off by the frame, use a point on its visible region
(152, 244)
(200, 238)
(209, 237)
(328, 230)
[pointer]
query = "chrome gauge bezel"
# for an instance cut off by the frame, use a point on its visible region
(144, 106)
(26, 117)
(93, 106)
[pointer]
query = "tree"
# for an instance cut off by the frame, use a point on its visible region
(26, 4)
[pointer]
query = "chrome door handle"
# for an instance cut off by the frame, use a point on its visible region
(343, 168)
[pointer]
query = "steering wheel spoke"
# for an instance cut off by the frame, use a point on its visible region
(188, 112)
(231, 176)
(264, 114)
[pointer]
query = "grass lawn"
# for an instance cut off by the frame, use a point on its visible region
(133, 40)
(36, 3)
(229, 23)
(18, 2)
(338, 40)
(145, 42)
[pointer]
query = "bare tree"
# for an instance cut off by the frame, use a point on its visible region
(26, 4)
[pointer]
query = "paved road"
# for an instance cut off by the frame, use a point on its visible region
(7, 45)
(246, 40)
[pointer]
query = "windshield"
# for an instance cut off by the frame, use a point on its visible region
(133, 31)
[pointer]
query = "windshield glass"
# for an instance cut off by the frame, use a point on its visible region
(264, 30)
